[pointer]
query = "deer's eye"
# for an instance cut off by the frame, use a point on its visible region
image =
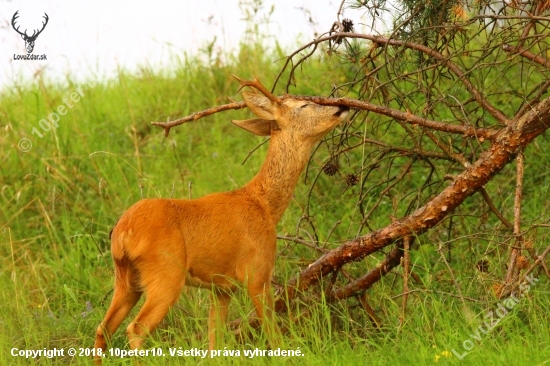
(303, 106)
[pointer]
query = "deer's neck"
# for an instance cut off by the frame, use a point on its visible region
(275, 182)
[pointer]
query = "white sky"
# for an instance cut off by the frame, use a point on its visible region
(93, 38)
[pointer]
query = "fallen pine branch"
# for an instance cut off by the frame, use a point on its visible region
(508, 142)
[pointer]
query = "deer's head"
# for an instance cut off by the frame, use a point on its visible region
(307, 121)
(29, 40)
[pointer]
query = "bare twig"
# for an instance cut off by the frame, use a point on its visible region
(402, 174)
(534, 256)
(198, 115)
(511, 273)
(332, 230)
(448, 150)
(253, 150)
(406, 269)
(491, 205)
(375, 320)
(526, 17)
(451, 273)
(303, 242)
(507, 291)
(542, 89)
(439, 293)
(528, 55)
(467, 131)
(402, 150)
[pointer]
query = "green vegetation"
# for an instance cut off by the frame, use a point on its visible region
(59, 200)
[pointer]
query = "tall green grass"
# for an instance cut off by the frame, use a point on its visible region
(59, 201)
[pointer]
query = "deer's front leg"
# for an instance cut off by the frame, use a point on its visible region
(263, 302)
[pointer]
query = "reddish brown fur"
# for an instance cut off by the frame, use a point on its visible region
(159, 245)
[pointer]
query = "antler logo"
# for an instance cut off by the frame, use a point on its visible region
(29, 40)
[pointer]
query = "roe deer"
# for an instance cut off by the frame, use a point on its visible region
(159, 245)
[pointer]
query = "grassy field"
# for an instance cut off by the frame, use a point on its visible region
(60, 199)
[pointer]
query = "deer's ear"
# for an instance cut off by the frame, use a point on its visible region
(260, 105)
(257, 126)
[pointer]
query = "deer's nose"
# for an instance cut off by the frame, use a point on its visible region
(341, 109)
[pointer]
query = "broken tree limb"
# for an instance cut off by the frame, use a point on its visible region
(392, 260)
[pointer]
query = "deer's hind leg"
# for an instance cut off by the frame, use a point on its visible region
(126, 295)
(218, 315)
(162, 280)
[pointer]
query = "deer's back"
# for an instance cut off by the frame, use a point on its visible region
(213, 236)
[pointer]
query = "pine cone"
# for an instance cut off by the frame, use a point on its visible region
(347, 24)
(352, 179)
(330, 168)
(483, 265)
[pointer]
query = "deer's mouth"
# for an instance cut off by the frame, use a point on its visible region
(342, 109)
